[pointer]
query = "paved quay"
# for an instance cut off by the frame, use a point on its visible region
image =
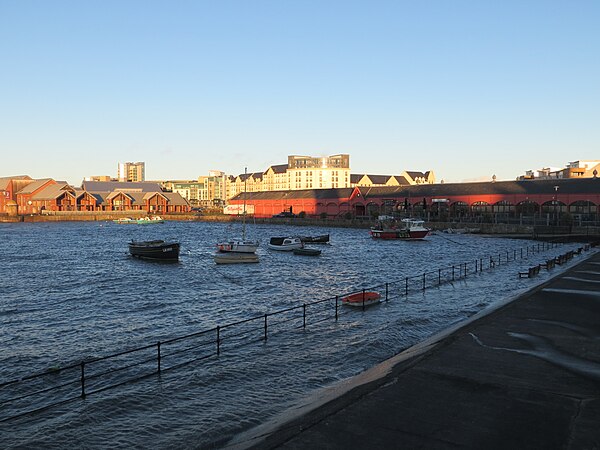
(523, 376)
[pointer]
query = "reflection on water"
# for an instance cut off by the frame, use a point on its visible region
(70, 291)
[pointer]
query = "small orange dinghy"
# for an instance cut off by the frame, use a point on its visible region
(361, 298)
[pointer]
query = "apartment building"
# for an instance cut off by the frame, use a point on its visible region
(207, 190)
(573, 169)
(131, 172)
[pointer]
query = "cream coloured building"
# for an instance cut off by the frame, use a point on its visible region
(310, 172)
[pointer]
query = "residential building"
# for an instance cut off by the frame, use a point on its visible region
(573, 169)
(308, 172)
(132, 172)
(205, 191)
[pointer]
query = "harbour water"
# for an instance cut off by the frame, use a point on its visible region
(70, 291)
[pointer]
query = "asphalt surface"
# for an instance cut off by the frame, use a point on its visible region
(523, 376)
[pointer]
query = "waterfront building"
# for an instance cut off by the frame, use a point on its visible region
(572, 199)
(310, 172)
(132, 172)
(24, 195)
(9, 186)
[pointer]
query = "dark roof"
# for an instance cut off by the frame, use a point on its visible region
(279, 168)
(415, 174)
(124, 186)
(304, 193)
(402, 181)
(356, 177)
(532, 187)
(379, 179)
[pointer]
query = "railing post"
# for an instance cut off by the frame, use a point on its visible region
(266, 327)
(386, 292)
(336, 308)
(218, 339)
(158, 355)
(521, 252)
(363, 305)
(452, 272)
(406, 289)
(423, 280)
(439, 277)
(304, 315)
(82, 379)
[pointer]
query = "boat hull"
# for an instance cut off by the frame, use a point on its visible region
(399, 234)
(155, 250)
(323, 239)
(307, 251)
(361, 299)
(286, 244)
(235, 258)
(237, 247)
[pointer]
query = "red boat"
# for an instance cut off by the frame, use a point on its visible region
(411, 229)
(361, 298)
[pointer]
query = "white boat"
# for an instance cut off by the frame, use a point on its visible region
(235, 258)
(286, 244)
(239, 245)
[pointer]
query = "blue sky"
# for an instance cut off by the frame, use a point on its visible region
(467, 89)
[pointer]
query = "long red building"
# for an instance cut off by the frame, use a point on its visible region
(558, 196)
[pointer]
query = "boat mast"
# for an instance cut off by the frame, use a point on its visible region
(244, 214)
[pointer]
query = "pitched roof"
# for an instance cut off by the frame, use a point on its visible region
(356, 177)
(279, 168)
(123, 186)
(53, 191)
(5, 180)
(379, 179)
(402, 181)
(175, 199)
(414, 174)
(32, 187)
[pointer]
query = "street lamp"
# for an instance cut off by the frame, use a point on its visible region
(556, 204)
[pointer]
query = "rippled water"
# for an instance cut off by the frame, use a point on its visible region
(70, 291)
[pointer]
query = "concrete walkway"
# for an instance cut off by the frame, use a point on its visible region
(525, 376)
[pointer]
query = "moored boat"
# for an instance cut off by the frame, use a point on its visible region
(125, 220)
(149, 220)
(322, 239)
(307, 251)
(411, 229)
(364, 298)
(157, 250)
(242, 245)
(237, 246)
(286, 244)
(235, 258)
